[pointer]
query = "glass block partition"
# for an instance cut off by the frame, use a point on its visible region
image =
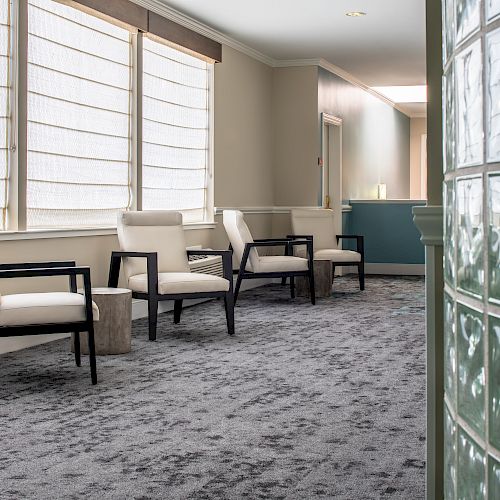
(471, 193)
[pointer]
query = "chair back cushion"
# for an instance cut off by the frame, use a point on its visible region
(239, 234)
(158, 231)
(316, 221)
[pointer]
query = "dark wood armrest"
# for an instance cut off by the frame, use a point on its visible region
(70, 270)
(36, 265)
(260, 240)
(300, 236)
(360, 244)
(152, 268)
(268, 243)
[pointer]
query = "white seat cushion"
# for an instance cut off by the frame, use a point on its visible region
(43, 308)
(281, 263)
(180, 283)
(337, 255)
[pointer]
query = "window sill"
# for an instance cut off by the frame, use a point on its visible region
(42, 234)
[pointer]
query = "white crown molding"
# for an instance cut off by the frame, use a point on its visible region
(180, 18)
(170, 13)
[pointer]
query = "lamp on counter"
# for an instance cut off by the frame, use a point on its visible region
(382, 191)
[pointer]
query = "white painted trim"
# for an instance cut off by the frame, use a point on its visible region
(43, 234)
(271, 210)
(429, 221)
(393, 269)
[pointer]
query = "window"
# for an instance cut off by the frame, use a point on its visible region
(79, 99)
(175, 131)
(108, 118)
(4, 106)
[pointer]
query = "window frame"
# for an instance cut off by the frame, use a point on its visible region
(17, 182)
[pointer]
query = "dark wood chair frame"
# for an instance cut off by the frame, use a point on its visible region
(153, 297)
(63, 268)
(288, 243)
(360, 248)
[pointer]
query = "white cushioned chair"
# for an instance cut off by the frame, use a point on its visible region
(317, 225)
(252, 265)
(50, 312)
(153, 249)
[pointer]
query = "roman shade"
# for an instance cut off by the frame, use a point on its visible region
(175, 148)
(79, 118)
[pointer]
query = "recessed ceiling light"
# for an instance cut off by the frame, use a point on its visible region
(355, 13)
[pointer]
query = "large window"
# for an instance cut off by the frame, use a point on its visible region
(175, 131)
(109, 112)
(79, 100)
(4, 106)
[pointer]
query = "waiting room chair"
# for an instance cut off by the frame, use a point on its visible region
(153, 249)
(50, 312)
(252, 265)
(317, 225)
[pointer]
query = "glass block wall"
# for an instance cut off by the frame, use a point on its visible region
(471, 100)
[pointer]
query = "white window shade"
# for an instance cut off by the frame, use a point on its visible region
(79, 118)
(175, 131)
(4, 106)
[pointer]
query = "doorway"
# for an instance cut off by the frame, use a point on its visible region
(331, 181)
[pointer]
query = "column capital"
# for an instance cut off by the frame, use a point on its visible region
(429, 221)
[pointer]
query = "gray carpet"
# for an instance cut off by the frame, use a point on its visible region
(304, 402)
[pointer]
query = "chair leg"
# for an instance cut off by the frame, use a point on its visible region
(361, 273)
(292, 287)
(311, 287)
(76, 344)
(283, 281)
(177, 311)
(152, 318)
(229, 307)
(333, 272)
(237, 287)
(93, 369)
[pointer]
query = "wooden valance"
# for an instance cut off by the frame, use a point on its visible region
(132, 15)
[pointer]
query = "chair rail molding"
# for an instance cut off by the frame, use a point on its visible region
(270, 209)
(429, 221)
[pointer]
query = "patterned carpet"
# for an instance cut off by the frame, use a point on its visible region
(304, 402)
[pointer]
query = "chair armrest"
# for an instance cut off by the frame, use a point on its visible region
(268, 243)
(227, 261)
(300, 236)
(260, 240)
(360, 244)
(152, 268)
(36, 265)
(71, 270)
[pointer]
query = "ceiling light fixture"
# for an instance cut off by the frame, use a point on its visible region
(355, 13)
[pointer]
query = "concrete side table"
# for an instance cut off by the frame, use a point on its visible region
(113, 330)
(322, 280)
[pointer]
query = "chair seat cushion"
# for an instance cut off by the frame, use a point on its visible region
(281, 263)
(172, 283)
(337, 255)
(43, 308)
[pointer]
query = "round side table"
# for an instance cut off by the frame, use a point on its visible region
(112, 332)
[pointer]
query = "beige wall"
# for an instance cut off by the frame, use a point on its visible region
(243, 131)
(296, 140)
(418, 126)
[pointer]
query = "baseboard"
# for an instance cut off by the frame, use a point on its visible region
(139, 310)
(394, 269)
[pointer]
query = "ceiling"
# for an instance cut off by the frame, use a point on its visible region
(385, 47)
